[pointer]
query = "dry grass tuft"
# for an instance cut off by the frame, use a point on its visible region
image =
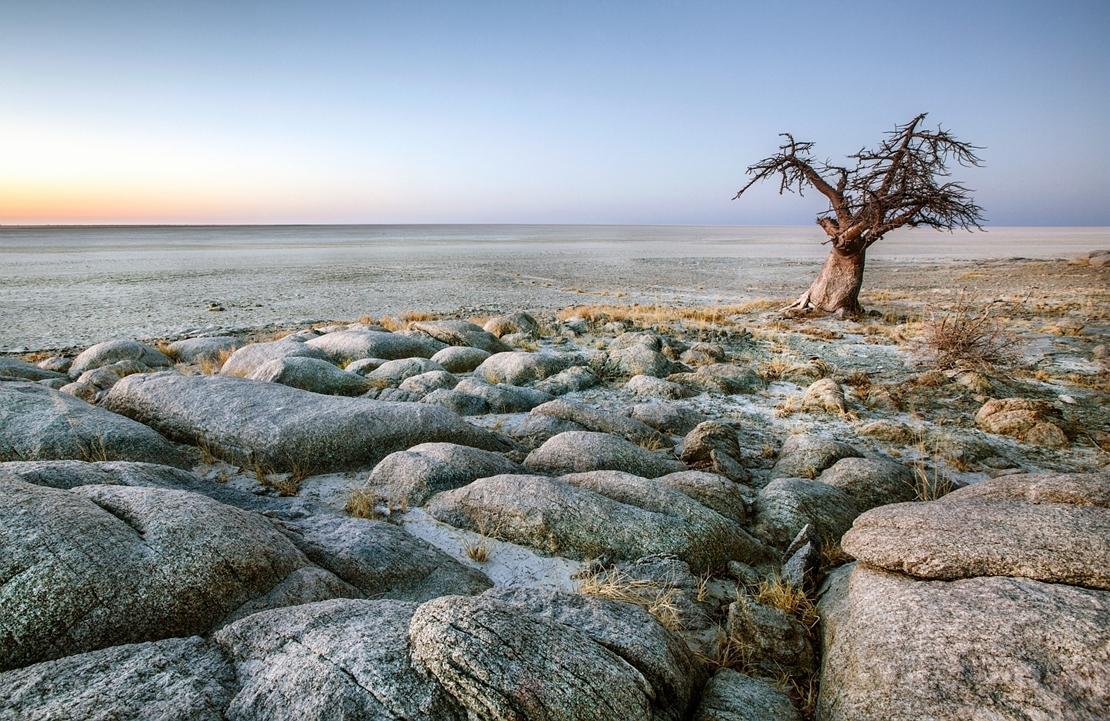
(966, 336)
(36, 356)
(211, 366)
(778, 593)
(656, 599)
(361, 503)
(479, 549)
(651, 315)
(930, 488)
(651, 443)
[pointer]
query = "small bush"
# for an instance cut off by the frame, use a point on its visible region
(967, 336)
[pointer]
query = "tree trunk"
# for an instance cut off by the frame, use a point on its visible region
(836, 287)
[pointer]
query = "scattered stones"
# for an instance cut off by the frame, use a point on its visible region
(429, 468)
(603, 422)
(517, 368)
(350, 345)
(666, 418)
(824, 395)
(512, 323)
(311, 374)
(111, 351)
(504, 398)
(460, 359)
(575, 378)
(805, 456)
(250, 357)
(895, 647)
(870, 483)
(786, 505)
(774, 641)
(250, 423)
(732, 696)
(1027, 420)
(651, 387)
(461, 332)
(195, 350)
(579, 451)
(18, 370)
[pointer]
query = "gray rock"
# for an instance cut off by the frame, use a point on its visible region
(394, 395)
(362, 366)
(335, 659)
(579, 451)
(308, 584)
(429, 341)
(504, 398)
(786, 505)
(701, 354)
(802, 566)
(518, 367)
(708, 437)
(311, 374)
(1080, 489)
(103, 354)
(70, 474)
(461, 332)
(666, 418)
(652, 387)
(460, 359)
(732, 696)
(556, 517)
(424, 470)
(805, 456)
(57, 364)
(870, 483)
(774, 642)
(718, 493)
(14, 369)
(634, 360)
(824, 395)
(178, 679)
(99, 566)
(350, 345)
(889, 430)
(54, 383)
(1052, 542)
(463, 404)
(85, 391)
(194, 350)
(510, 323)
(105, 377)
(425, 383)
(576, 324)
(991, 647)
(593, 419)
(575, 378)
(250, 357)
(533, 431)
(393, 373)
(41, 424)
(275, 427)
(502, 663)
(738, 380)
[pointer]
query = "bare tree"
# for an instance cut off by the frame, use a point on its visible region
(897, 184)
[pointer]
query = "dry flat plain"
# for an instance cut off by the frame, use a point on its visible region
(553, 474)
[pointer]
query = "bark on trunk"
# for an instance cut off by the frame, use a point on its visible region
(836, 288)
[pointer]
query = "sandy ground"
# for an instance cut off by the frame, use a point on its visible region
(66, 290)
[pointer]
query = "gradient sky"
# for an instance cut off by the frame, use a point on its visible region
(508, 112)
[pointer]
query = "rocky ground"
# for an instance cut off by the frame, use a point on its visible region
(604, 511)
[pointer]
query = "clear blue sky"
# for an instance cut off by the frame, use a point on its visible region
(591, 112)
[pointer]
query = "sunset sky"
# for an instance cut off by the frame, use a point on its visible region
(529, 112)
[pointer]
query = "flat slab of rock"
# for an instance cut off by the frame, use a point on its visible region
(311, 374)
(100, 566)
(1026, 419)
(42, 424)
(593, 419)
(313, 660)
(579, 451)
(109, 352)
(249, 358)
(1052, 542)
(178, 679)
(990, 647)
(429, 468)
(461, 332)
(1080, 489)
(280, 428)
(70, 474)
(518, 367)
(786, 505)
(350, 345)
(14, 369)
(870, 483)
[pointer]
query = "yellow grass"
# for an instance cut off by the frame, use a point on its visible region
(654, 598)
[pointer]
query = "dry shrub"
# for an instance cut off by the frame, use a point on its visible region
(778, 593)
(361, 503)
(211, 366)
(656, 599)
(939, 484)
(163, 346)
(969, 336)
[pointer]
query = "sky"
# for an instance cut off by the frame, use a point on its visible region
(531, 112)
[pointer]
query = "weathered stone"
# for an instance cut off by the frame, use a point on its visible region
(460, 359)
(651, 387)
(56, 363)
(425, 383)
(107, 376)
(502, 663)
(824, 395)
(1052, 542)
(195, 350)
(666, 418)
(85, 391)
(805, 456)
(518, 367)
(716, 492)
(461, 332)
(555, 517)
(732, 696)
(393, 395)
(178, 679)
(103, 354)
(517, 322)
(14, 369)
(251, 423)
(575, 378)
(70, 474)
(350, 345)
(701, 354)
(773, 641)
(1080, 489)
(632, 354)
(578, 451)
(786, 505)
(393, 373)
(802, 560)
(463, 404)
(991, 647)
(604, 422)
(424, 470)
(99, 566)
(870, 483)
(1025, 419)
(504, 398)
(435, 345)
(311, 374)
(706, 437)
(250, 357)
(533, 431)
(335, 659)
(362, 366)
(307, 584)
(41, 424)
(887, 430)
(719, 378)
